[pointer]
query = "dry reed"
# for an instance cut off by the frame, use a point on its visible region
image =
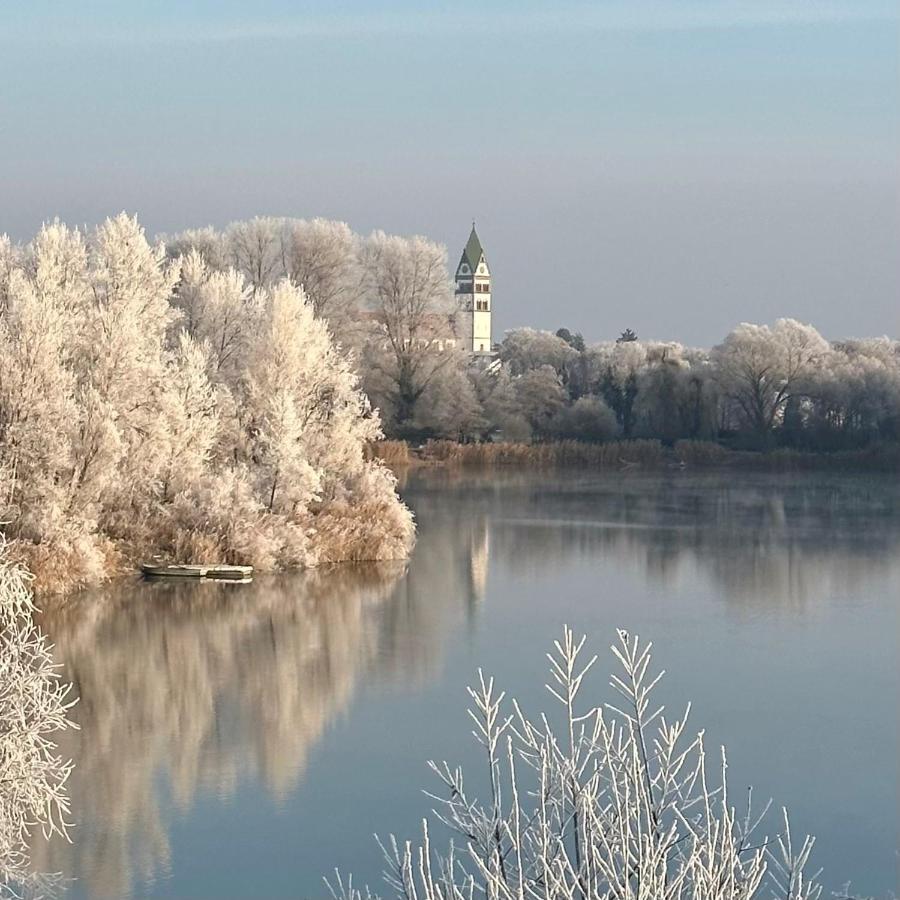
(391, 453)
(700, 453)
(615, 454)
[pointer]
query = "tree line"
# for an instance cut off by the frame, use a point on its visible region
(762, 386)
(389, 301)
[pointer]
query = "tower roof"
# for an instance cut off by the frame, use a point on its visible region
(473, 251)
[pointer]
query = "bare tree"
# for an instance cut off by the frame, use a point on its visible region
(322, 257)
(410, 295)
(761, 368)
(254, 249)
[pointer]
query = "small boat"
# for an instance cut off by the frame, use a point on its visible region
(218, 572)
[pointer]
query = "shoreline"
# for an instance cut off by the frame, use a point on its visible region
(56, 581)
(624, 455)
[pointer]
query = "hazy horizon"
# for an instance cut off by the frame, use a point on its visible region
(675, 171)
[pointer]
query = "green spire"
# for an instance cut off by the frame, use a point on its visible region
(474, 251)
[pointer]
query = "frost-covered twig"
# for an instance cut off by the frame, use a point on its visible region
(33, 708)
(624, 807)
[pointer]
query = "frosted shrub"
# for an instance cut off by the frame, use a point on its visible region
(344, 529)
(620, 802)
(33, 705)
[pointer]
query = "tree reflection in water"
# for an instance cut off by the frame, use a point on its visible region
(776, 540)
(205, 685)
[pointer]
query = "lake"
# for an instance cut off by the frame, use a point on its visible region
(245, 740)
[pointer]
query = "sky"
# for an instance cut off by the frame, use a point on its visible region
(671, 166)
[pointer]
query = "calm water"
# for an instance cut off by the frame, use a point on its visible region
(242, 741)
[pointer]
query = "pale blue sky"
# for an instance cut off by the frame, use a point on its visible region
(675, 167)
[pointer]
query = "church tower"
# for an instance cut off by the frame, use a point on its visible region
(473, 295)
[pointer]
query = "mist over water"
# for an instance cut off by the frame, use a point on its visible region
(245, 740)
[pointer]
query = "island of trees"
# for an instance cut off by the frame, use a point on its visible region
(156, 407)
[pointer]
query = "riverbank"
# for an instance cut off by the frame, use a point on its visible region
(630, 454)
(366, 528)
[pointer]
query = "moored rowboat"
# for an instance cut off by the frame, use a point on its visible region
(211, 571)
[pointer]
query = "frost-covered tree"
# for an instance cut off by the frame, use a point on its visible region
(254, 250)
(501, 407)
(323, 258)
(587, 419)
(218, 309)
(191, 407)
(281, 393)
(760, 368)
(450, 407)
(614, 372)
(288, 461)
(46, 300)
(411, 297)
(540, 397)
(854, 397)
(782, 384)
(389, 299)
(9, 261)
(524, 349)
(676, 396)
(121, 363)
(318, 255)
(626, 388)
(208, 242)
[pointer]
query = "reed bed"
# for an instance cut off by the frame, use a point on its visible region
(700, 453)
(877, 458)
(391, 453)
(630, 454)
(615, 454)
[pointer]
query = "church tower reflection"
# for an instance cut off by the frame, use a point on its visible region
(479, 554)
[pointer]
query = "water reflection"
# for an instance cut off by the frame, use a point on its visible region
(777, 541)
(191, 691)
(202, 685)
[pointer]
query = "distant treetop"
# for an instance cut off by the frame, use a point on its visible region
(575, 341)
